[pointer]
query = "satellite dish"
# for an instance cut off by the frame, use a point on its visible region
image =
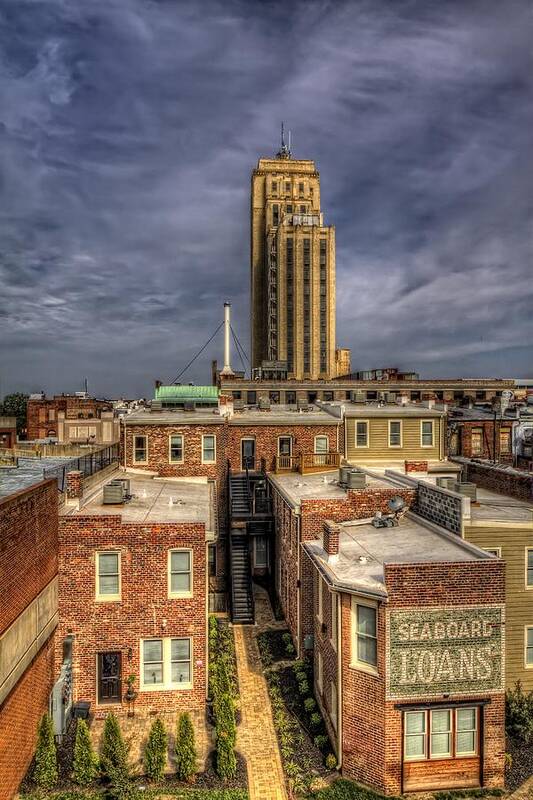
(396, 504)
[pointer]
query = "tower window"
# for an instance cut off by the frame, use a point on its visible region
(301, 188)
(289, 208)
(275, 214)
(274, 186)
(287, 187)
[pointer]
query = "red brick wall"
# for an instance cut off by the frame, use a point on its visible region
(28, 547)
(19, 715)
(465, 440)
(119, 626)
(266, 439)
(511, 482)
(37, 420)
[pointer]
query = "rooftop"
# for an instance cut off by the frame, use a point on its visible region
(181, 393)
(28, 472)
(276, 415)
(410, 542)
(154, 500)
(366, 410)
(318, 486)
(500, 507)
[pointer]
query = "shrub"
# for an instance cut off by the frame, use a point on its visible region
(519, 713)
(85, 762)
(286, 638)
(331, 761)
(300, 666)
(114, 758)
(310, 704)
(303, 687)
(320, 741)
(225, 718)
(45, 770)
(289, 649)
(225, 757)
(315, 720)
(301, 676)
(155, 752)
(185, 749)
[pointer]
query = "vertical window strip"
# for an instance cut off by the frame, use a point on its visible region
(290, 304)
(323, 306)
(307, 303)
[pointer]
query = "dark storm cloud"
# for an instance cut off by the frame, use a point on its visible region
(128, 130)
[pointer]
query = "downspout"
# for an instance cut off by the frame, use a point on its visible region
(298, 587)
(338, 600)
(124, 444)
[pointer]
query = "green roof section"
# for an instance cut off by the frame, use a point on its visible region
(181, 394)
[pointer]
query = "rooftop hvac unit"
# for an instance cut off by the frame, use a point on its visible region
(114, 493)
(301, 404)
(343, 475)
(468, 489)
(446, 483)
(238, 405)
(125, 483)
(264, 404)
(355, 480)
(189, 405)
(358, 397)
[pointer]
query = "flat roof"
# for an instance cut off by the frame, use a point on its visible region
(500, 507)
(365, 410)
(154, 500)
(29, 472)
(276, 415)
(175, 416)
(364, 550)
(318, 486)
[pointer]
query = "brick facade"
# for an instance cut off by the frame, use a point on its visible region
(266, 440)
(42, 414)
(488, 441)
(510, 482)
(144, 611)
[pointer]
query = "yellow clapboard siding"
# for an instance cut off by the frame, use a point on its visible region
(378, 440)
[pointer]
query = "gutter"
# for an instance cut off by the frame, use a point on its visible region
(337, 598)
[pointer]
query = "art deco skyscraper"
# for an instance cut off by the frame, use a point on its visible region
(292, 269)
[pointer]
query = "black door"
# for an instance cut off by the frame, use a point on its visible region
(109, 674)
(248, 453)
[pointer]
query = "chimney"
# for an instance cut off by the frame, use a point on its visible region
(157, 384)
(226, 369)
(330, 538)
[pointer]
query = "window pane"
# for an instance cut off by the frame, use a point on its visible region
(440, 721)
(181, 672)
(180, 649)
(466, 719)
(153, 673)
(367, 650)
(530, 558)
(108, 584)
(179, 561)
(321, 444)
(180, 582)
(530, 637)
(153, 650)
(366, 620)
(440, 744)
(415, 722)
(361, 434)
(108, 563)
(414, 746)
(466, 742)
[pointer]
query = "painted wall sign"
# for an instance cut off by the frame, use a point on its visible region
(445, 651)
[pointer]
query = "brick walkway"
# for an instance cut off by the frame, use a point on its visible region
(256, 737)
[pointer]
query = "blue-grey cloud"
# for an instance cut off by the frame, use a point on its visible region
(128, 130)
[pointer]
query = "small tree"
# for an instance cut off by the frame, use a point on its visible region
(45, 770)
(225, 718)
(155, 752)
(185, 749)
(114, 753)
(226, 761)
(519, 713)
(85, 763)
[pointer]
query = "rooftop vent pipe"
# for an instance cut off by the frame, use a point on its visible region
(226, 369)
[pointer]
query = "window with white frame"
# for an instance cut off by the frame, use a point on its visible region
(529, 567)
(175, 449)
(361, 433)
(321, 445)
(494, 551)
(365, 636)
(320, 599)
(208, 449)
(441, 733)
(140, 450)
(426, 433)
(395, 433)
(529, 646)
(334, 620)
(166, 663)
(108, 576)
(180, 573)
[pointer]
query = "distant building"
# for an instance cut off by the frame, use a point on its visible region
(71, 419)
(478, 433)
(385, 374)
(8, 431)
(342, 361)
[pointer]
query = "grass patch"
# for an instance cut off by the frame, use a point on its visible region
(343, 789)
(150, 794)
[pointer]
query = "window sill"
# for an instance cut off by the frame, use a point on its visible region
(173, 687)
(112, 598)
(367, 668)
(180, 596)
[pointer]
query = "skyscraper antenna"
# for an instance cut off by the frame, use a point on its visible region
(284, 151)
(282, 136)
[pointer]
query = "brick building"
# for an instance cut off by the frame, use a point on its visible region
(133, 593)
(28, 618)
(71, 418)
(8, 431)
(408, 655)
(476, 433)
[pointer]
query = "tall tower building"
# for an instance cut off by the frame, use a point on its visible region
(292, 270)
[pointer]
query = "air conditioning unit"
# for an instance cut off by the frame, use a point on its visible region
(301, 404)
(264, 404)
(114, 493)
(343, 475)
(358, 397)
(355, 480)
(468, 489)
(446, 483)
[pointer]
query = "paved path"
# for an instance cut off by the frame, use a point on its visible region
(256, 737)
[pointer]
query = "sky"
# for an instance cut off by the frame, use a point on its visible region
(128, 132)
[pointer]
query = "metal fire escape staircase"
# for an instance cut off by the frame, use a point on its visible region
(240, 505)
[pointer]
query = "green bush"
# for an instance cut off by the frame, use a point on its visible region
(185, 750)
(286, 638)
(321, 741)
(85, 763)
(301, 666)
(226, 762)
(45, 769)
(289, 649)
(310, 704)
(155, 752)
(114, 761)
(343, 789)
(316, 720)
(303, 687)
(225, 718)
(301, 676)
(331, 761)
(519, 713)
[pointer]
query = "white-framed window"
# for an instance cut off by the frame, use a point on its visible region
(320, 595)
(212, 560)
(180, 573)
(175, 448)
(395, 433)
(529, 567)
(260, 552)
(441, 733)
(333, 705)
(476, 441)
(427, 433)
(209, 448)
(334, 620)
(494, 551)
(321, 445)
(166, 663)
(319, 671)
(140, 450)
(365, 636)
(284, 445)
(108, 577)
(528, 655)
(361, 433)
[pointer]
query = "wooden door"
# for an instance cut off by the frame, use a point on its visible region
(109, 677)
